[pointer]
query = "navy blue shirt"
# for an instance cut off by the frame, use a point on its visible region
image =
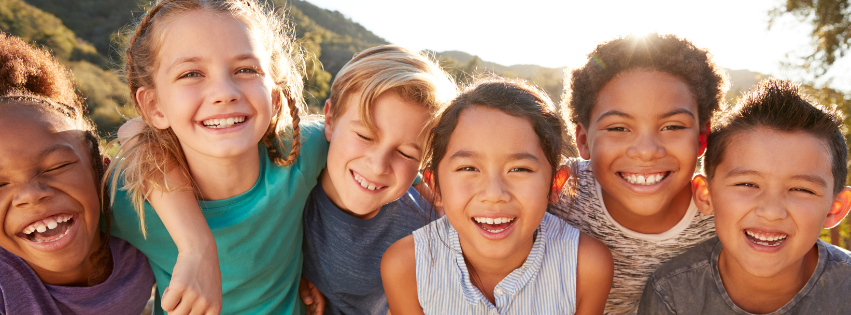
(342, 254)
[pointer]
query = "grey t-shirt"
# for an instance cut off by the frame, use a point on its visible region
(126, 290)
(691, 284)
(342, 254)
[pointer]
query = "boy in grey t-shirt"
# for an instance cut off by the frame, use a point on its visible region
(774, 177)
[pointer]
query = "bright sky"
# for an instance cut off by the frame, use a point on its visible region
(559, 33)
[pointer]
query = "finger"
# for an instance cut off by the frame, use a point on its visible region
(171, 297)
(185, 304)
(304, 290)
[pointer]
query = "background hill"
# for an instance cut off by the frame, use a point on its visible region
(88, 36)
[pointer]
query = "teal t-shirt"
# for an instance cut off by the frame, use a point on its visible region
(258, 233)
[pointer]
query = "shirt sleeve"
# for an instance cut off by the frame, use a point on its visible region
(313, 153)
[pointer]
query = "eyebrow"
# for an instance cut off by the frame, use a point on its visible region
(196, 59)
(512, 157)
(55, 148)
(805, 177)
(677, 112)
(613, 113)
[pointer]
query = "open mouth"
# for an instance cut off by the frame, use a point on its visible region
(223, 122)
(765, 239)
(366, 183)
(494, 225)
(644, 179)
(48, 229)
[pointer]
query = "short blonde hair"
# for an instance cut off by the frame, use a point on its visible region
(390, 68)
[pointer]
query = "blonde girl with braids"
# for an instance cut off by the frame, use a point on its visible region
(218, 86)
(54, 257)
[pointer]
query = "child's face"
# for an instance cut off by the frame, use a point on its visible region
(213, 86)
(642, 140)
(494, 169)
(771, 195)
(366, 170)
(48, 197)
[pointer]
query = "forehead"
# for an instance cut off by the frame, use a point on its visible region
(27, 130)
(777, 153)
(642, 92)
(494, 131)
(204, 33)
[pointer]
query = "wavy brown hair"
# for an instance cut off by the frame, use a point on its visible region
(32, 77)
(155, 151)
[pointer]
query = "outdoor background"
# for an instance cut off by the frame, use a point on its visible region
(538, 40)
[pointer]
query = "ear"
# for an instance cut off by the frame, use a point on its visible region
(582, 142)
(701, 139)
(428, 177)
(329, 118)
(839, 208)
(560, 178)
(700, 194)
(147, 99)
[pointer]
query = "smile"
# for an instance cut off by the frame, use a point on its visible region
(366, 183)
(49, 229)
(223, 122)
(644, 179)
(494, 225)
(766, 239)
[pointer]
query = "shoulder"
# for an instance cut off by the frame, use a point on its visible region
(399, 263)
(594, 258)
(836, 254)
(696, 259)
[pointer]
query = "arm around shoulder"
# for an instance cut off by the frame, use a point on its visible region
(399, 275)
(594, 272)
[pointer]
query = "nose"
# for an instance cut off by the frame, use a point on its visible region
(32, 193)
(494, 189)
(772, 208)
(224, 91)
(378, 160)
(646, 147)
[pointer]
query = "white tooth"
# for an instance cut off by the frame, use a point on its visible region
(490, 220)
(230, 121)
(40, 227)
(641, 180)
(29, 229)
(364, 184)
(658, 177)
(51, 224)
(497, 221)
(477, 220)
(241, 119)
(370, 187)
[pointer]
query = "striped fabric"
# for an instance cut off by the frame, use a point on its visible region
(636, 255)
(545, 284)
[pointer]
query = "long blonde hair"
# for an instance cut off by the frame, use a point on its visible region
(144, 164)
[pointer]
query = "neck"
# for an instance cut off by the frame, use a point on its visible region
(661, 221)
(334, 196)
(222, 178)
(763, 295)
(491, 270)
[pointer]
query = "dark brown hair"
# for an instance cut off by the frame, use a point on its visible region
(780, 105)
(513, 97)
(652, 52)
(32, 77)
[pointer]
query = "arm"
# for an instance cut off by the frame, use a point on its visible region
(196, 283)
(594, 272)
(399, 275)
(311, 297)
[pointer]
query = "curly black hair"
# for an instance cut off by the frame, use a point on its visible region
(652, 52)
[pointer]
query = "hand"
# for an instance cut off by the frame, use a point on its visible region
(311, 297)
(196, 284)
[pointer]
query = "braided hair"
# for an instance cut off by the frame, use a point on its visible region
(157, 151)
(30, 76)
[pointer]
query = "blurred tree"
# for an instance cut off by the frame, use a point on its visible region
(831, 35)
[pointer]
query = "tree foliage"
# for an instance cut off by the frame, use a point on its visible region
(831, 35)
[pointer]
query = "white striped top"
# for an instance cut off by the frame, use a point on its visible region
(545, 284)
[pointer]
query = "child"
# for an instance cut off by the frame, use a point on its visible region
(213, 81)
(774, 177)
(641, 109)
(53, 257)
(375, 121)
(494, 156)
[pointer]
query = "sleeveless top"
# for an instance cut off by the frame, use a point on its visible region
(544, 284)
